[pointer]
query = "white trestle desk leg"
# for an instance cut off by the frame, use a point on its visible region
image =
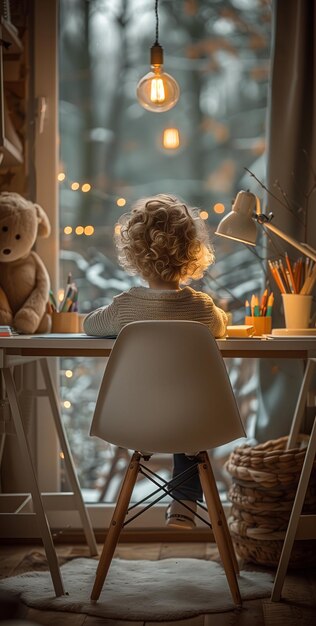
(295, 516)
(71, 471)
(301, 404)
(34, 489)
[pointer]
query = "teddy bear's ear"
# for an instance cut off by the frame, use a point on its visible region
(43, 222)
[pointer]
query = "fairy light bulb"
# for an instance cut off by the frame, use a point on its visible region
(157, 91)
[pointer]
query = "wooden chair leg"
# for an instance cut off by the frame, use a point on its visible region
(223, 516)
(116, 525)
(119, 453)
(219, 525)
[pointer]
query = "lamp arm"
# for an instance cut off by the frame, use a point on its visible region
(305, 249)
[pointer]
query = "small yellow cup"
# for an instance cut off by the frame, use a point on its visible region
(261, 324)
(65, 322)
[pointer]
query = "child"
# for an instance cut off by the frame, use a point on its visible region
(165, 243)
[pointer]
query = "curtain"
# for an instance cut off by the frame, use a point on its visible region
(291, 177)
(292, 116)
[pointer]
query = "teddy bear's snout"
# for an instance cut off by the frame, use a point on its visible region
(6, 251)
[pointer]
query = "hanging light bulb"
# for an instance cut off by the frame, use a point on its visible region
(157, 91)
(170, 138)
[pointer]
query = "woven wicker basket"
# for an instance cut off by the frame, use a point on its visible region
(264, 483)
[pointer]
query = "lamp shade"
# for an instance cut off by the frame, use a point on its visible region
(239, 224)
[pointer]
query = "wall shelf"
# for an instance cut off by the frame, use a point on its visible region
(10, 154)
(10, 35)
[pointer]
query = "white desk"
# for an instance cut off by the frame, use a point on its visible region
(19, 350)
(63, 345)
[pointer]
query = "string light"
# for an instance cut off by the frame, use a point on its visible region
(68, 373)
(121, 202)
(203, 215)
(219, 207)
(80, 230)
(157, 91)
(89, 230)
(75, 185)
(67, 404)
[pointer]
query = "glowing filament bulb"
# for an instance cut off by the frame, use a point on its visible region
(171, 139)
(157, 90)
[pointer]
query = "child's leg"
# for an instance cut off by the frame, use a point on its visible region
(191, 489)
(177, 514)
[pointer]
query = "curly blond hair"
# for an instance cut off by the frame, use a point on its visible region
(162, 237)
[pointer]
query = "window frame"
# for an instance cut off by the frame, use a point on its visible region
(45, 55)
(45, 103)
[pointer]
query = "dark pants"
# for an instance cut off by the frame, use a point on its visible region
(191, 489)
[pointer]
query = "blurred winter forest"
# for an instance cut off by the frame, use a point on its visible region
(219, 52)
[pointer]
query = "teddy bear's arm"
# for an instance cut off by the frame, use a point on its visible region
(6, 315)
(28, 318)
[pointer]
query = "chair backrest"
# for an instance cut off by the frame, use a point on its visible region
(166, 389)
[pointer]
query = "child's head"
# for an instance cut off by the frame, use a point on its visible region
(163, 238)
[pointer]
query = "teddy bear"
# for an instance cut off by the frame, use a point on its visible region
(24, 280)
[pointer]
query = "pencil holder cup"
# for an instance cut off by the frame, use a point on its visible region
(297, 310)
(65, 322)
(261, 324)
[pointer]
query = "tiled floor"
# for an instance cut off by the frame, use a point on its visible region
(297, 608)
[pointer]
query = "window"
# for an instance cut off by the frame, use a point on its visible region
(112, 152)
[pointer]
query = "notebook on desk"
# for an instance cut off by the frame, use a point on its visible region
(240, 331)
(294, 332)
(7, 331)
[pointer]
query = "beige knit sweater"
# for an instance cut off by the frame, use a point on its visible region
(142, 303)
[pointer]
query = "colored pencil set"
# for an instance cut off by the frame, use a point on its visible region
(69, 303)
(262, 308)
(298, 277)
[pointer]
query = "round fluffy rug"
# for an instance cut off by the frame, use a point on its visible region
(169, 589)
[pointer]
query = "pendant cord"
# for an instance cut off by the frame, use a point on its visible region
(157, 22)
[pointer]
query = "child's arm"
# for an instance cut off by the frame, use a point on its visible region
(219, 322)
(102, 321)
(210, 314)
(217, 318)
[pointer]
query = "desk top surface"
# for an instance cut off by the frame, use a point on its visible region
(80, 344)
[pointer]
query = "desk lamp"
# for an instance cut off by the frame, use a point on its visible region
(240, 224)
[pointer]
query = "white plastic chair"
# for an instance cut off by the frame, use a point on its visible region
(166, 390)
